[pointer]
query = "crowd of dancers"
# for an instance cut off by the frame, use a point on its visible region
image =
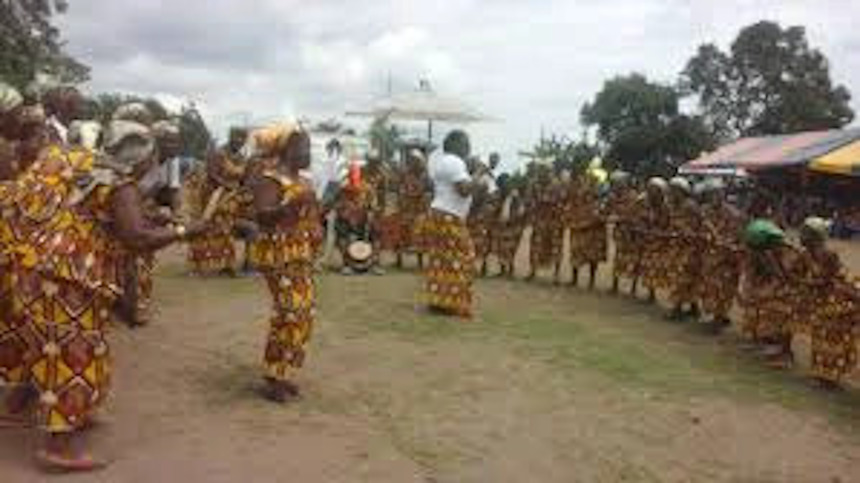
(85, 212)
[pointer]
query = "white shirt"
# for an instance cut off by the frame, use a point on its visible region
(166, 175)
(446, 171)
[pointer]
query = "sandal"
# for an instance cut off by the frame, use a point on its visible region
(56, 464)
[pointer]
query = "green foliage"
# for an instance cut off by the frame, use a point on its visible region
(385, 138)
(566, 154)
(197, 140)
(31, 45)
(770, 82)
(641, 128)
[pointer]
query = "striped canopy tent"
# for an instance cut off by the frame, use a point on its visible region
(843, 161)
(766, 153)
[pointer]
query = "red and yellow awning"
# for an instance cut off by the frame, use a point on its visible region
(845, 161)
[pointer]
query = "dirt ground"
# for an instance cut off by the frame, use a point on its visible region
(548, 384)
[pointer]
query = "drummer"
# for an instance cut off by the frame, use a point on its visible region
(355, 206)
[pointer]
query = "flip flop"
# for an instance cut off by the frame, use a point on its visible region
(53, 464)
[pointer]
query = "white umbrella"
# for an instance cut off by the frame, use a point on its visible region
(423, 104)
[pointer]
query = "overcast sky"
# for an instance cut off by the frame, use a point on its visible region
(531, 64)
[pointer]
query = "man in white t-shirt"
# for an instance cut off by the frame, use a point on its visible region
(446, 240)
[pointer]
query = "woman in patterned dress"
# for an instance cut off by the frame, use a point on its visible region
(770, 295)
(546, 206)
(216, 251)
(652, 229)
(683, 250)
(588, 243)
(722, 257)
(835, 308)
(75, 218)
(621, 206)
(451, 255)
(285, 250)
(509, 225)
(413, 200)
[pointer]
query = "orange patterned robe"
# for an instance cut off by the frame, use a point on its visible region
(721, 260)
(622, 206)
(547, 227)
(683, 252)
(286, 255)
(66, 269)
(215, 251)
(414, 203)
(588, 241)
(450, 270)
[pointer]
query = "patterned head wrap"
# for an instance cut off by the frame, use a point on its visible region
(129, 143)
(270, 141)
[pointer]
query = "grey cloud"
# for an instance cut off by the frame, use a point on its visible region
(531, 64)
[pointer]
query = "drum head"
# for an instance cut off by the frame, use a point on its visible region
(360, 251)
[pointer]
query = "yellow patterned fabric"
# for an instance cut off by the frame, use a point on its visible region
(623, 207)
(830, 306)
(451, 268)
(651, 228)
(768, 298)
(64, 267)
(721, 261)
(286, 255)
(588, 240)
(683, 252)
(547, 214)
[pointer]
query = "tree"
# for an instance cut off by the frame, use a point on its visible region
(566, 154)
(770, 82)
(384, 138)
(640, 127)
(197, 140)
(30, 45)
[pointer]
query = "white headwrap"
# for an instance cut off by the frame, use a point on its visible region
(10, 98)
(681, 184)
(659, 183)
(133, 111)
(124, 152)
(85, 133)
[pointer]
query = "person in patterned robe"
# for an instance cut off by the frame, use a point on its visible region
(769, 296)
(546, 202)
(588, 242)
(450, 267)
(834, 308)
(216, 251)
(72, 218)
(621, 206)
(651, 229)
(722, 255)
(22, 138)
(481, 220)
(356, 212)
(683, 250)
(385, 230)
(289, 242)
(413, 198)
(509, 225)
